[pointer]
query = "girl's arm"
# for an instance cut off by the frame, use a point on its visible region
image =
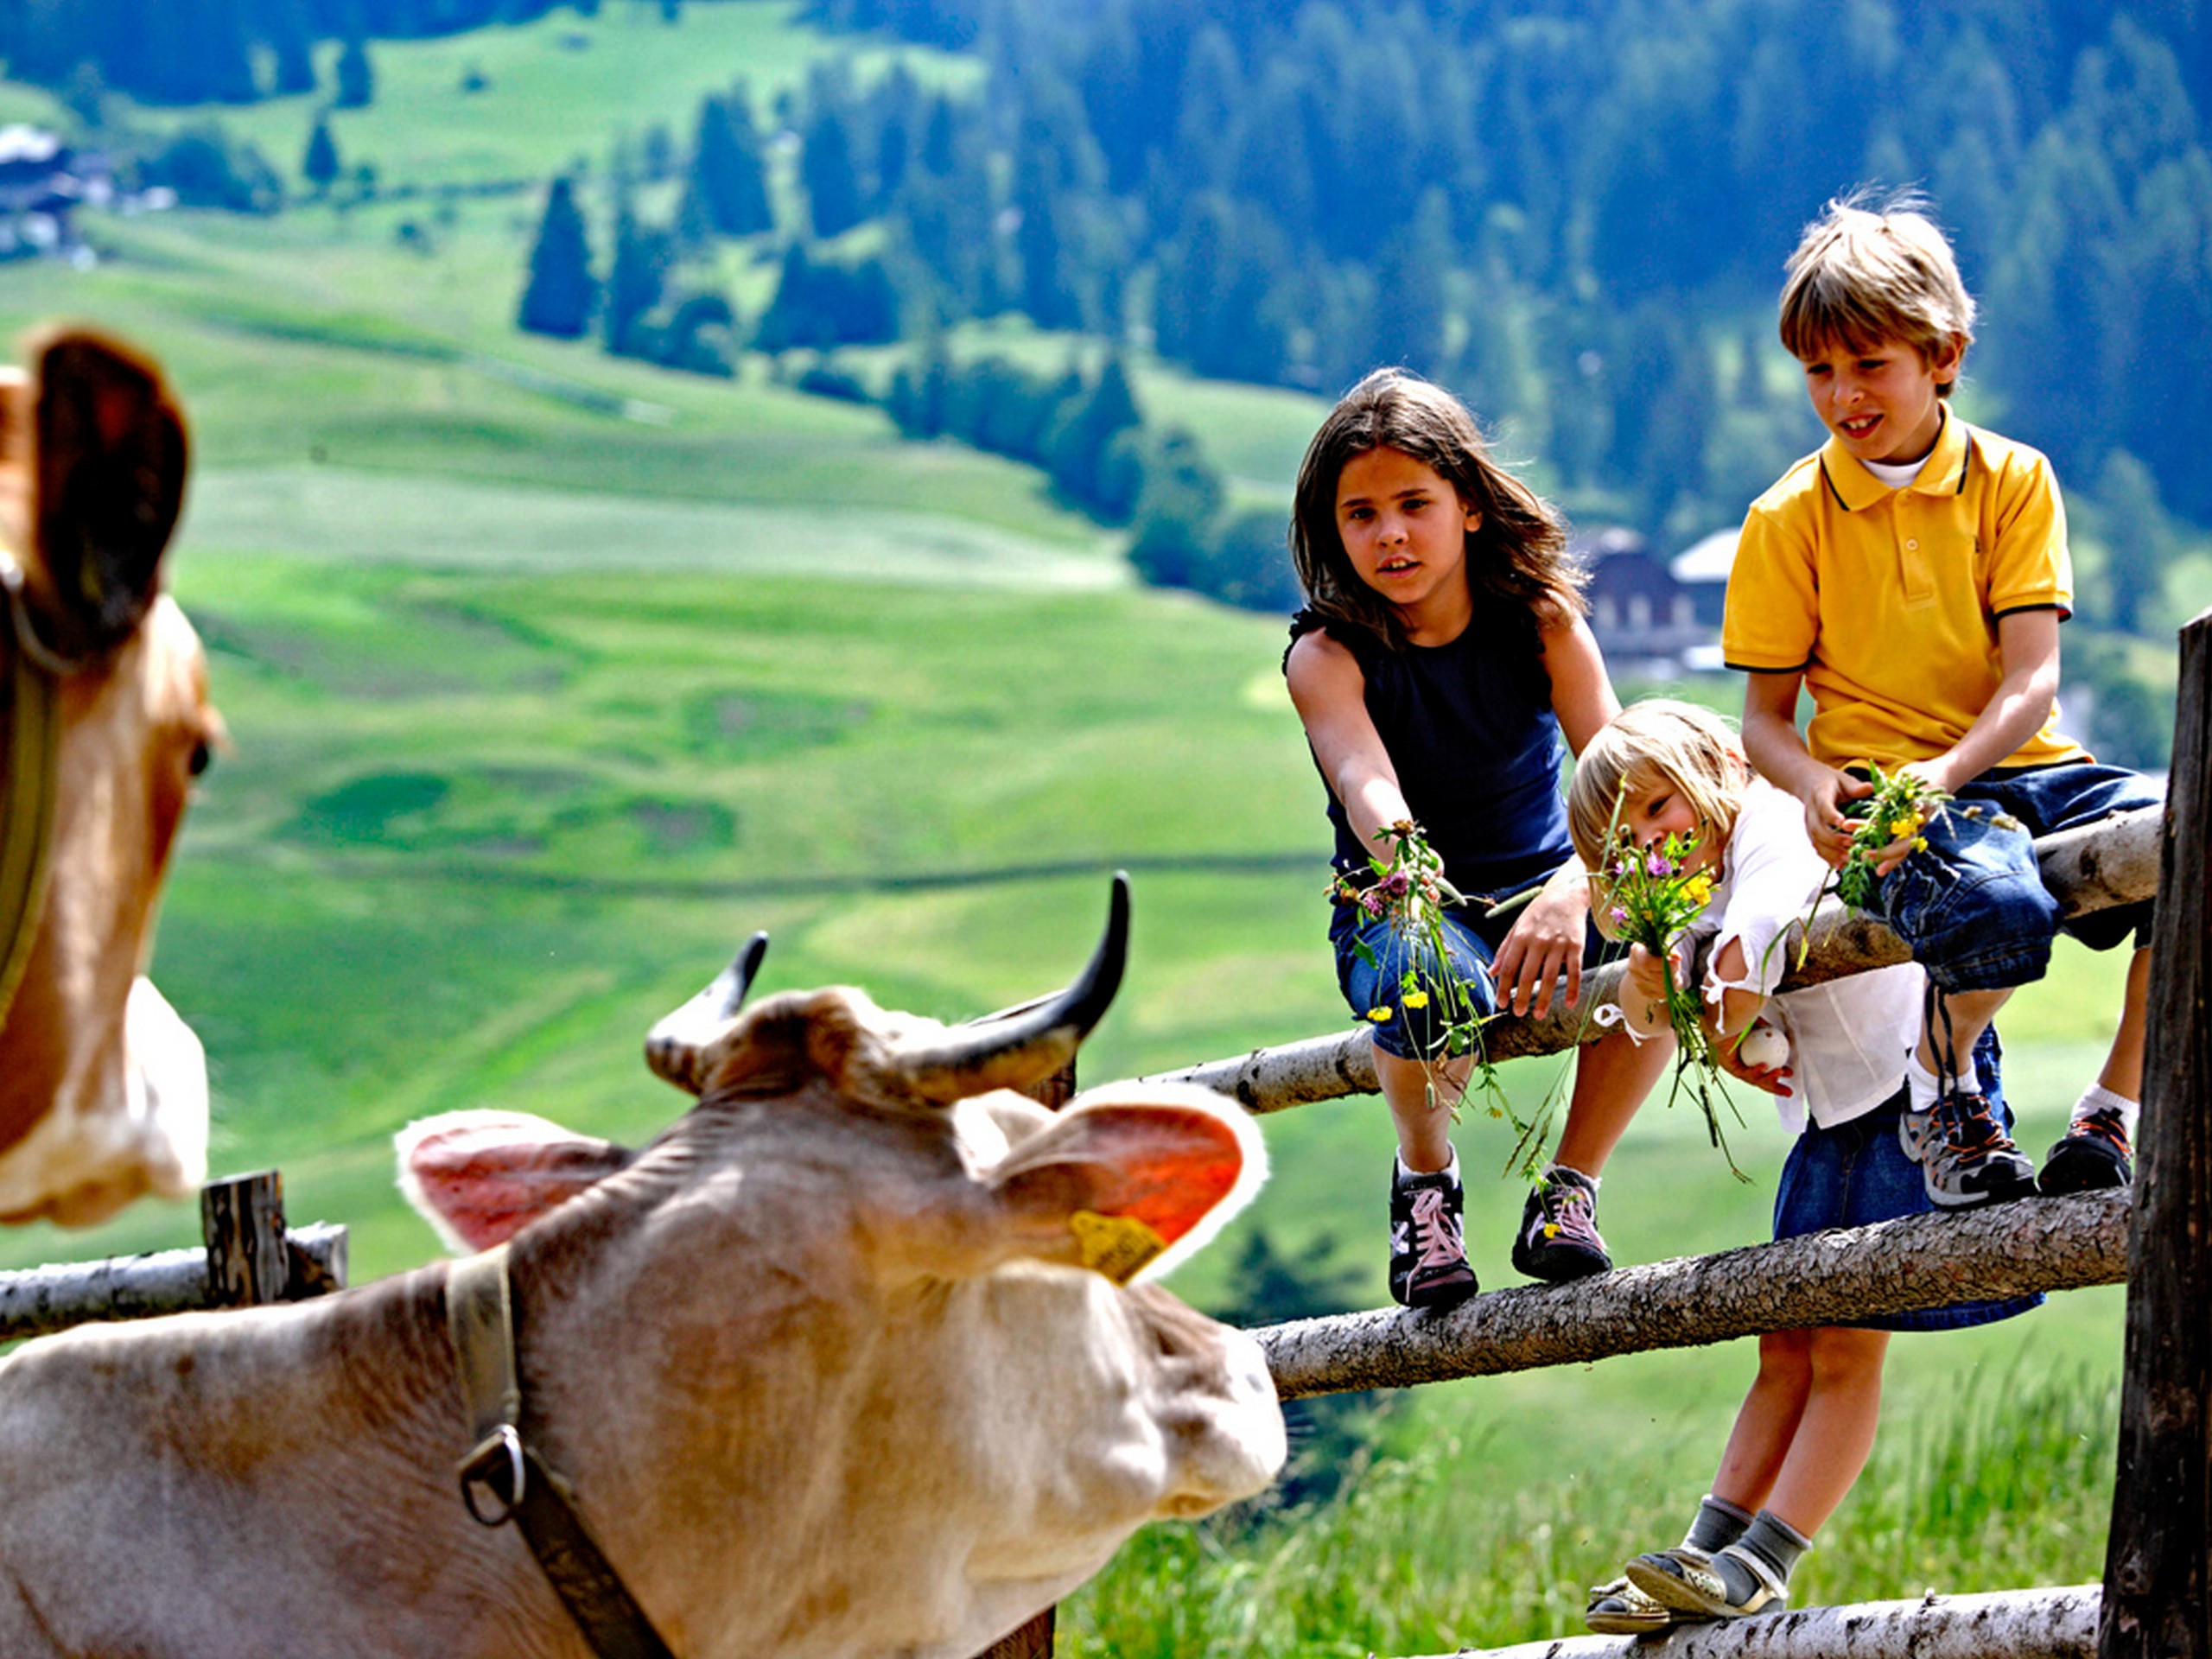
(1330, 694)
(1729, 1015)
(1547, 939)
(1582, 692)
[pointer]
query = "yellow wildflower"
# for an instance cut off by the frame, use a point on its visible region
(1920, 843)
(1378, 1015)
(1415, 999)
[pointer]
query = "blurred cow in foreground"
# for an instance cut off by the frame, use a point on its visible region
(845, 1364)
(104, 722)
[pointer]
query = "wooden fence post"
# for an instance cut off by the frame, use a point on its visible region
(2158, 1601)
(243, 1221)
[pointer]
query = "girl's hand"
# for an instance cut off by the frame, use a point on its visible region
(1545, 943)
(1643, 990)
(1824, 794)
(1773, 1078)
(1646, 972)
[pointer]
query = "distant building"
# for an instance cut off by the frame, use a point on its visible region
(1703, 570)
(42, 181)
(1644, 616)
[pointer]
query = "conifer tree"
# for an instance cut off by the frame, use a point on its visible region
(319, 165)
(726, 169)
(356, 82)
(562, 291)
(833, 187)
(635, 282)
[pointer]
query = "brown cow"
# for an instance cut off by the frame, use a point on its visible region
(105, 719)
(841, 1367)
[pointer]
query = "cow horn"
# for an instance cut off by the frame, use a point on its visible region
(672, 1046)
(1014, 1049)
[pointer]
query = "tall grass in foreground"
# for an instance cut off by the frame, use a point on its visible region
(1423, 1554)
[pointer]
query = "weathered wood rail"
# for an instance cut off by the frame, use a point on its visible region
(1828, 1278)
(247, 1257)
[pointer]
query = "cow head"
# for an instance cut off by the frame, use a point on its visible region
(878, 1316)
(103, 1090)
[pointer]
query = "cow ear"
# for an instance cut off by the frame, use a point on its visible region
(108, 466)
(1131, 1179)
(479, 1178)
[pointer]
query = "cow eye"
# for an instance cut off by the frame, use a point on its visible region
(202, 757)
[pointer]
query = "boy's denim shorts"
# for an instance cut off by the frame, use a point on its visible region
(1974, 907)
(1855, 1174)
(1471, 940)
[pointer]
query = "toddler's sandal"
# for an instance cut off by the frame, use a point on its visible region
(1619, 1608)
(1688, 1586)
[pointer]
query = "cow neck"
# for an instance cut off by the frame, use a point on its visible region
(504, 1469)
(31, 732)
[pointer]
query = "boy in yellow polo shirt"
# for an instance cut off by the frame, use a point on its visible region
(1912, 576)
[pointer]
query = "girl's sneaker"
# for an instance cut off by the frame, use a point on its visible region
(1558, 1238)
(2091, 1156)
(1428, 1250)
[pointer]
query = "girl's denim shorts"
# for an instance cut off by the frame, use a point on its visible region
(1855, 1174)
(1471, 940)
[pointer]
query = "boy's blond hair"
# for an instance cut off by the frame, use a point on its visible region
(1873, 270)
(1690, 748)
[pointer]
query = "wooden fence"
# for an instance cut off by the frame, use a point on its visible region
(2156, 1599)
(248, 1256)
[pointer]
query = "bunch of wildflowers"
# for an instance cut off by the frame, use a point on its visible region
(1652, 894)
(1901, 805)
(1409, 892)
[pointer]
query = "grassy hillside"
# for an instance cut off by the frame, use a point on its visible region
(551, 677)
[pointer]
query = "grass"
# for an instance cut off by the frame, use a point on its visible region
(555, 89)
(1458, 1544)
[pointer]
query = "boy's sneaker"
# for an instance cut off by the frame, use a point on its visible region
(1428, 1250)
(1916, 1130)
(2091, 1156)
(1972, 1161)
(1559, 1239)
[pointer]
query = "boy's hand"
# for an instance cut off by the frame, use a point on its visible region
(1824, 793)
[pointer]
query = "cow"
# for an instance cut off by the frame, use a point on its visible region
(841, 1366)
(106, 723)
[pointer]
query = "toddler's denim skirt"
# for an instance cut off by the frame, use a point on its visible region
(1855, 1174)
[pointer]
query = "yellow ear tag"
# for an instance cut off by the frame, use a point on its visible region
(1117, 1246)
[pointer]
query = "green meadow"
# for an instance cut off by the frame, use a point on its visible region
(550, 676)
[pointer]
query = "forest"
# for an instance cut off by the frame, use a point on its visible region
(1575, 214)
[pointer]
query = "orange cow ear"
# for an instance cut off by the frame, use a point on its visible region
(480, 1176)
(108, 461)
(1131, 1179)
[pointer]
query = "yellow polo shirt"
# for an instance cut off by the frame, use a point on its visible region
(1888, 600)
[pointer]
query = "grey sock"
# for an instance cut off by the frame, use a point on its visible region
(1775, 1542)
(1718, 1523)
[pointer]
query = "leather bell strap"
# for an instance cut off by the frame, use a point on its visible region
(503, 1480)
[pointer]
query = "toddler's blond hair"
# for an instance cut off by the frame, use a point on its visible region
(1873, 270)
(1687, 748)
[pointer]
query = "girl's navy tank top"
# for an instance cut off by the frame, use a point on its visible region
(1469, 728)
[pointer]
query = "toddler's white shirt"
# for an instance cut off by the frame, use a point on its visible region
(1848, 1037)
